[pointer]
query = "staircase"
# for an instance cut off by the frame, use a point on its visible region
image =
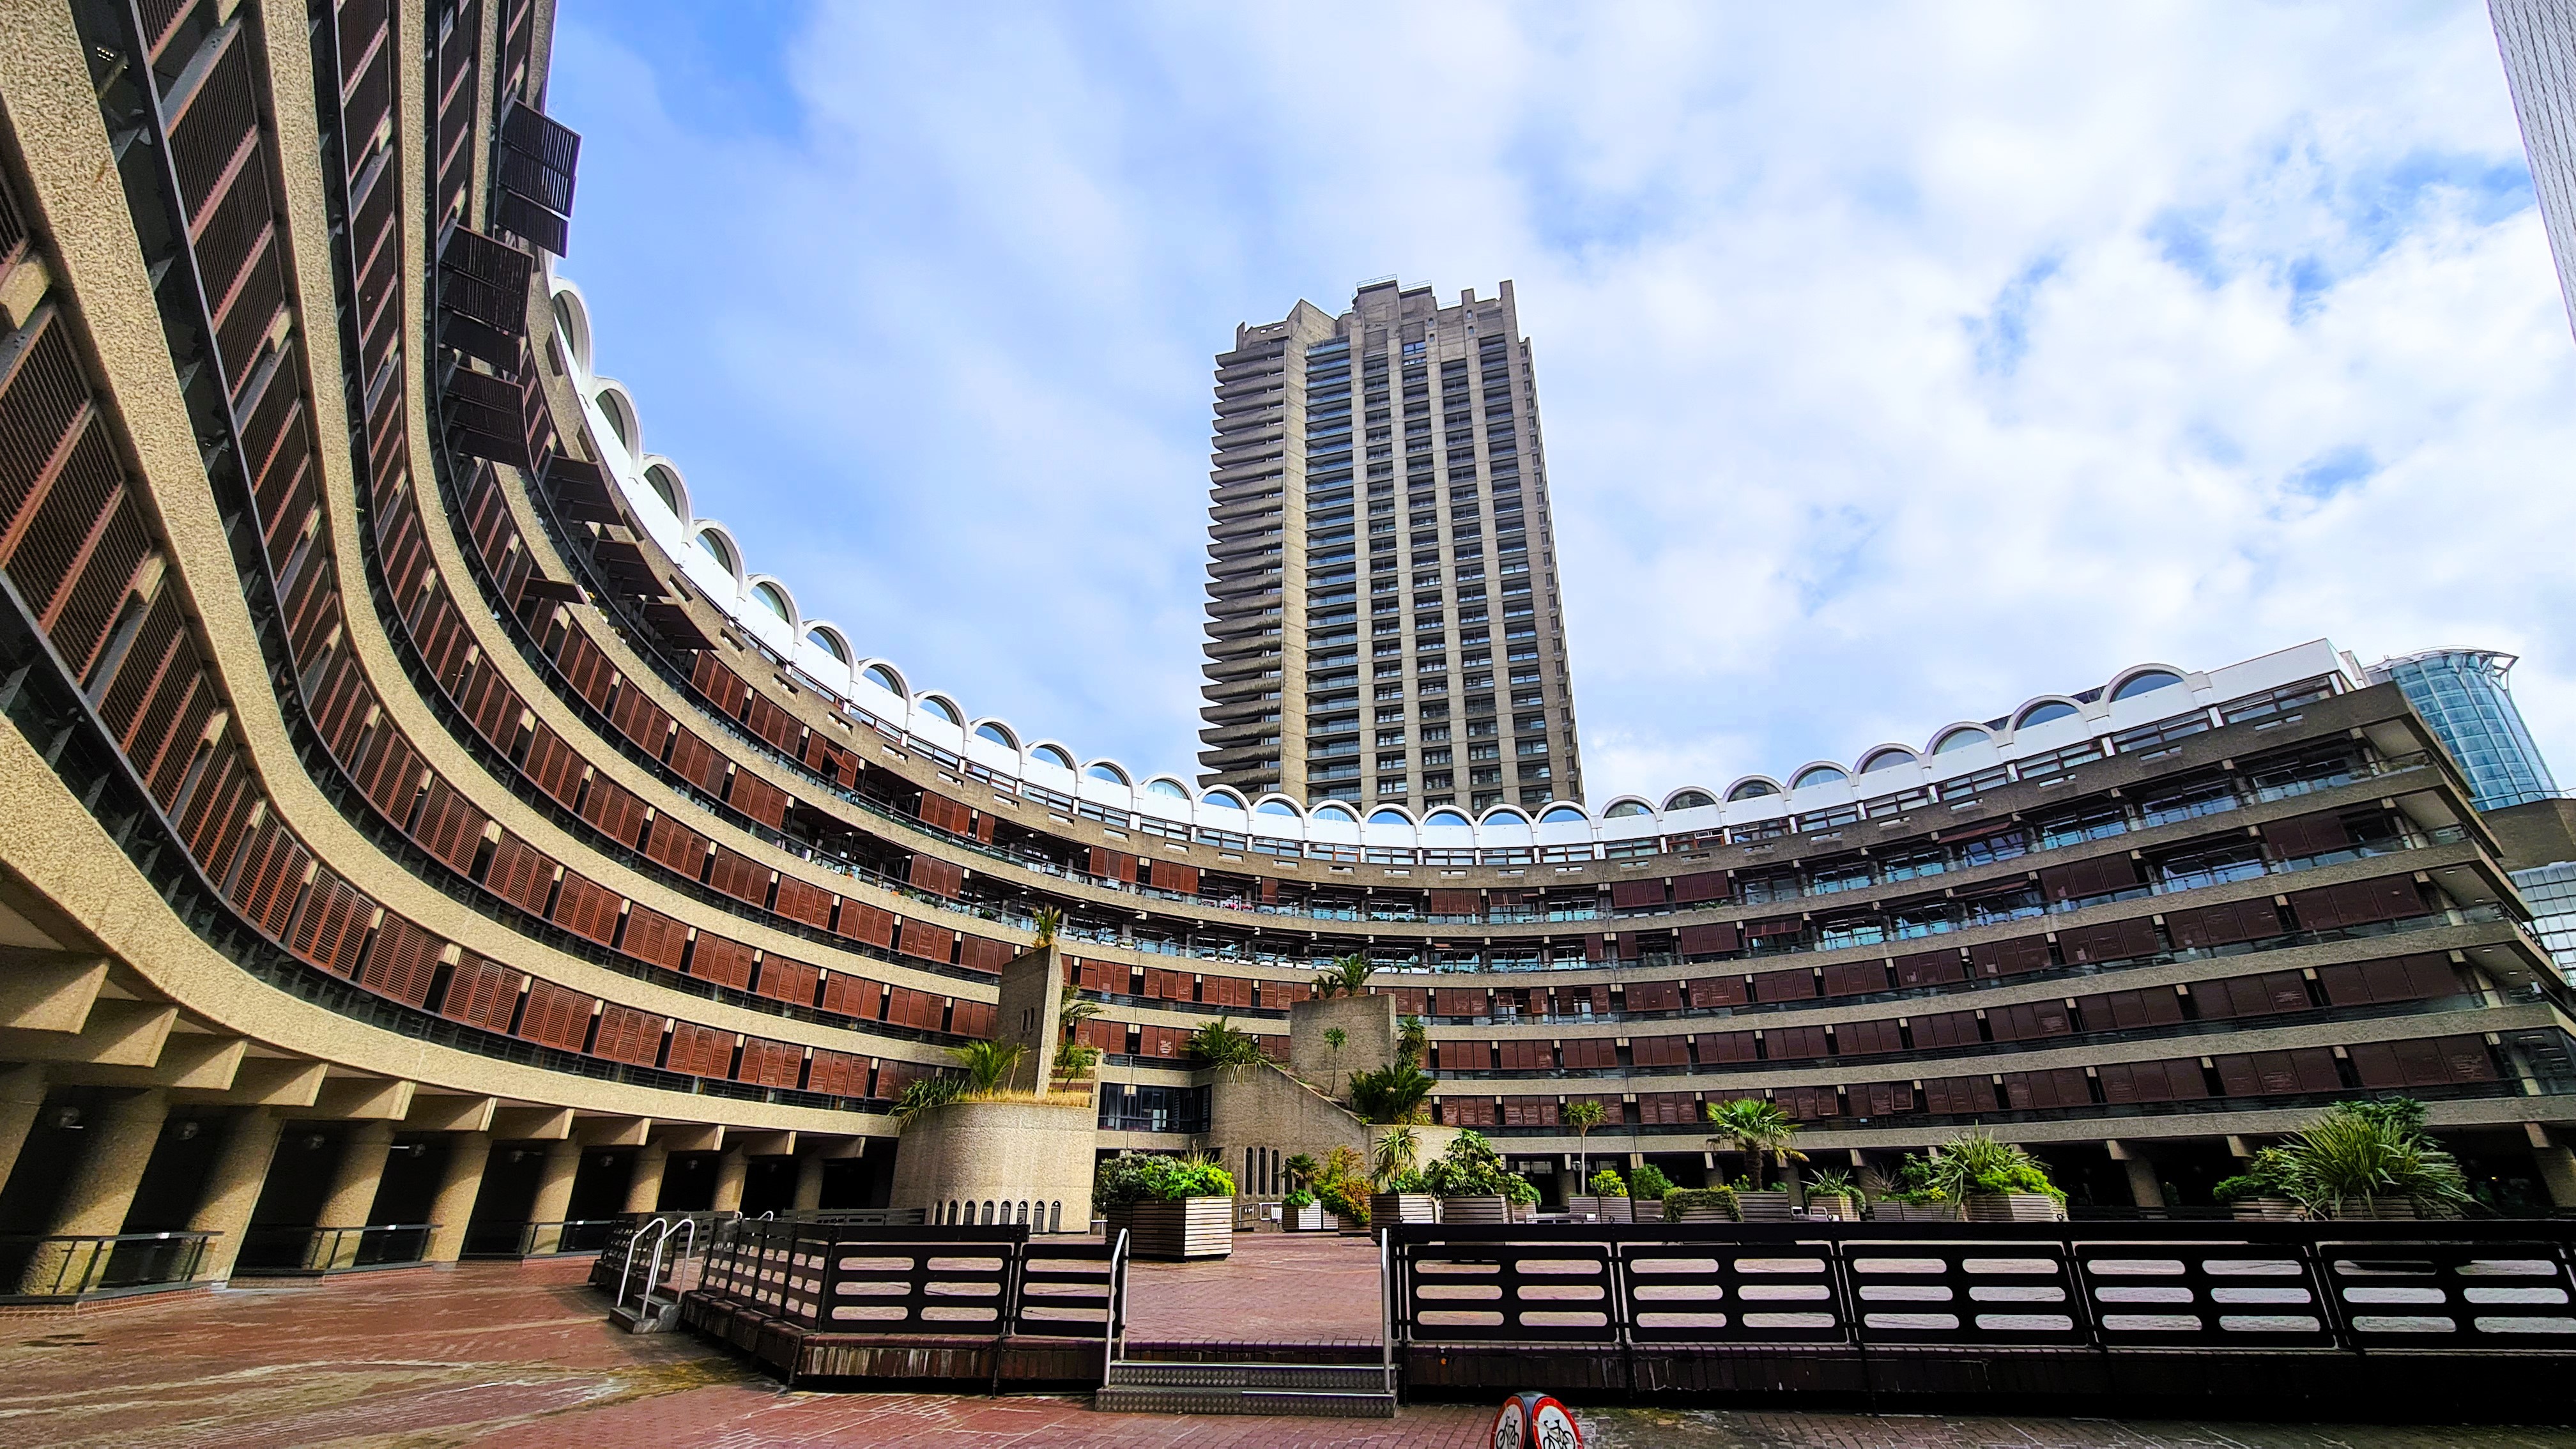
(1310, 1390)
(656, 1314)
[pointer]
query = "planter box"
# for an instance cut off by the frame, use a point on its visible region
(1402, 1207)
(1307, 1219)
(1476, 1210)
(1833, 1207)
(2391, 1209)
(2014, 1207)
(1711, 1214)
(1647, 1209)
(1602, 1209)
(1764, 1207)
(1174, 1232)
(2266, 1210)
(1884, 1211)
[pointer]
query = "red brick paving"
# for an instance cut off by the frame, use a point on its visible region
(508, 1357)
(1307, 1288)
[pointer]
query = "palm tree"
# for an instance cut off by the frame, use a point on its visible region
(988, 1064)
(1220, 1043)
(1047, 920)
(1756, 1127)
(1336, 1038)
(1398, 1153)
(1412, 1040)
(1348, 976)
(1583, 1116)
(1391, 1095)
(1301, 1170)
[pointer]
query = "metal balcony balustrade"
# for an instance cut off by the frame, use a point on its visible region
(68, 1267)
(295, 1252)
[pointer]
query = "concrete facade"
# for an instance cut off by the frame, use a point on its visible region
(1368, 1028)
(1026, 1157)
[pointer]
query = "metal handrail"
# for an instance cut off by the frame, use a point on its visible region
(95, 1253)
(1115, 1325)
(660, 1228)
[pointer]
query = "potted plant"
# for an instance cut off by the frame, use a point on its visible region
(1608, 1201)
(1400, 1195)
(1341, 1189)
(1700, 1205)
(1472, 1183)
(1220, 1043)
(1299, 1212)
(1996, 1182)
(1912, 1197)
(1757, 1128)
(1830, 1197)
(2370, 1160)
(1582, 1116)
(1174, 1208)
(2261, 1194)
(1647, 1188)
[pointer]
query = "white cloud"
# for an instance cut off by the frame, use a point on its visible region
(1896, 365)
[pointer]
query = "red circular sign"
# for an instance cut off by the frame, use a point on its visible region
(1534, 1421)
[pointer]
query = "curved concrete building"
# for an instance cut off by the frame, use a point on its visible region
(423, 816)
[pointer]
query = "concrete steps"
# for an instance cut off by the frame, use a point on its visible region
(653, 1315)
(1309, 1390)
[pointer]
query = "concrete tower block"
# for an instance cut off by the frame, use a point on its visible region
(1368, 1023)
(1031, 1013)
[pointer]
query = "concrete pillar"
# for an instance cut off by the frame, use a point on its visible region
(22, 1096)
(554, 1196)
(731, 1169)
(361, 1171)
(232, 1190)
(2557, 1173)
(644, 1180)
(99, 1193)
(2144, 1190)
(458, 1186)
(809, 1182)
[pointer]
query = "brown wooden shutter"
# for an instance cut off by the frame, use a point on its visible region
(2004, 958)
(2356, 903)
(1171, 875)
(617, 812)
(739, 876)
(332, 924)
(653, 937)
(520, 875)
(1710, 940)
(717, 959)
(1850, 978)
(587, 908)
(936, 876)
(862, 922)
(2112, 941)
(804, 901)
(556, 1016)
(627, 1035)
(784, 980)
(1709, 885)
(482, 993)
(1931, 968)
(2300, 836)
(401, 962)
(1636, 894)
(759, 799)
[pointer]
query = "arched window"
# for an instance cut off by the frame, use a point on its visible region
(1818, 775)
(1689, 800)
(1276, 807)
(1389, 817)
(772, 598)
(1168, 789)
(2043, 712)
(1622, 810)
(883, 678)
(718, 550)
(1445, 817)
(1881, 759)
(1960, 739)
(1106, 771)
(1223, 799)
(1752, 790)
(1331, 810)
(829, 642)
(1561, 815)
(1049, 754)
(621, 418)
(942, 708)
(568, 330)
(2146, 682)
(998, 735)
(666, 486)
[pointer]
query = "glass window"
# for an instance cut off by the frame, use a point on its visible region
(829, 643)
(2138, 684)
(885, 679)
(1625, 809)
(1752, 790)
(1108, 772)
(942, 708)
(718, 550)
(1689, 800)
(997, 735)
(2042, 713)
(1817, 775)
(1960, 739)
(1167, 789)
(1053, 756)
(665, 487)
(769, 597)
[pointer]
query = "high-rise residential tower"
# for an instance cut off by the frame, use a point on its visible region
(1384, 622)
(2538, 41)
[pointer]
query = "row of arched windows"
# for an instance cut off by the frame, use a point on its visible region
(1030, 1213)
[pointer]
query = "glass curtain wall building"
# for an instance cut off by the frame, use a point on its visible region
(2464, 695)
(1376, 635)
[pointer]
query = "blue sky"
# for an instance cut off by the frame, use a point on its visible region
(1895, 364)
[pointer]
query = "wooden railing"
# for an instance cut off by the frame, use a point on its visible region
(828, 1277)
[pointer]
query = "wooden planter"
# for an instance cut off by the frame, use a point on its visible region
(1764, 1207)
(2390, 1209)
(2266, 1210)
(1181, 1231)
(1402, 1207)
(1713, 1213)
(1647, 1209)
(1833, 1207)
(1602, 1209)
(1476, 1209)
(2014, 1207)
(1307, 1219)
(1885, 1211)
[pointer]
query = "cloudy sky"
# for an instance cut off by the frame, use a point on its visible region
(1895, 364)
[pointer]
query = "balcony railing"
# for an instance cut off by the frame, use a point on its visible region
(72, 1266)
(314, 1252)
(558, 1238)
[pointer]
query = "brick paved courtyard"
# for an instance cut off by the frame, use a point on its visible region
(508, 1357)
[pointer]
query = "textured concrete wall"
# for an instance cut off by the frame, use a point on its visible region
(1370, 1024)
(1262, 1109)
(998, 1152)
(1031, 1012)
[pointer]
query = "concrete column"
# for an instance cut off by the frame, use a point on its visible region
(554, 1196)
(232, 1190)
(809, 1182)
(2557, 1173)
(731, 1169)
(22, 1096)
(100, 1192)
(2143, 1187)
(458, 1186)
(354, 1182)
(644, 1181)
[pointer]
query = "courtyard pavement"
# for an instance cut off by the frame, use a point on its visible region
(506, 1356)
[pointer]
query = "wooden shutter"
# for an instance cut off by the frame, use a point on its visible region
(1711, 940)
(1636, 894)
(1708, 885)
(653, 937)
(859, 921)
(936, 876)
(482, 993)
(1933, 968)
(804, 901)
(738, 876)
(628, 1035)
(715, 958)
(2004, 958)
(1850, 978)
(2112, 941)
(556, 1016)
(587, 908)
(401, 962)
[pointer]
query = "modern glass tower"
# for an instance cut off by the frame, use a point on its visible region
(1383, 617)
(2463, 695)
(2538, 41)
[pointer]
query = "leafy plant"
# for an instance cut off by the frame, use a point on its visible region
(1975, 1164)
(1301, 1170)
(1299, 1198)
(1047, 920)
(1341, 1200)
(2360, 1150)
(1412, 1040)
(1220, 1043)
(988, 1065)
(1341, 1184)
(1395, 1158)
(1758, 1129)
(1074, 1061)
(1391, 1095)
(1608, 1183)
(1336, 1038)
(1583, 1116)
(1693, 1199)
(1141, 1177)
(1470, 1167)
(1072, 1010)
(1648, 1183)
(1830, 1183)
(1347, 976)
(924, 1093)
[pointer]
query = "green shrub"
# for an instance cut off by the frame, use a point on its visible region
(2232, 1190)
(1830, 1184)
(1391, 1095)
(1974, 1163)
(2361, 1150)
(1341, 1200)
(1649, 1183)
(1693, 1199)
(1521, 1190)
(1144, 1178)
(1301, 1198)
(1470, 1168)
(1220, 1043)
(1608, 1183)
